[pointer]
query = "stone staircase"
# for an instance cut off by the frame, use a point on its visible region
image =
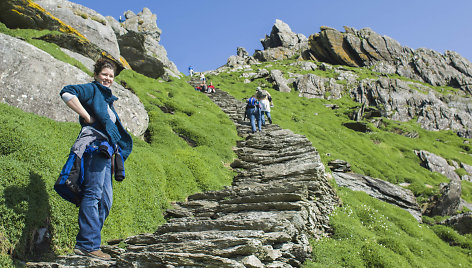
(279, 198)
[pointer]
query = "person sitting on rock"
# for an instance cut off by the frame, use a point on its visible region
(211, 88)
(203, 87)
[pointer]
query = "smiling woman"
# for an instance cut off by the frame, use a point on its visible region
(105, 73)
(101, 128)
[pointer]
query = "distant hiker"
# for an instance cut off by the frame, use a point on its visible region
(265, 110)
(260, 94)
(121, 20)
(204, 87)
(190, 70)
(202, 77)
(93, 102)
(253, 111)
(211, 88)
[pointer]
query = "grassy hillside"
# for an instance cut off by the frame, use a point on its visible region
(368, 232)
(186, 151)
(382, 153)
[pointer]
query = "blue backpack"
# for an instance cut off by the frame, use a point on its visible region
(69, 183)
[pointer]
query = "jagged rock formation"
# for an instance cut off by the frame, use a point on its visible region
(39, 92)
(281, 44)
(438, 164)
(85, 20)
(381, 190)
(26, 14)
(91, 35)
(359, 48)
(241, 58)
(133, 49)
(403, 101)
(279, 199)
(138, 38)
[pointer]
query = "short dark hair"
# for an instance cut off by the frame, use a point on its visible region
(102, 64)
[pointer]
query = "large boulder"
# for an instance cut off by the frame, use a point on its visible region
(447, 202)
(365, 48)
(381, 190)
(438, 164)
(39, 92)
(87, 21)
(462, 223)
(278, 80)
(144, 24)
(27, 14)
(282, 36)
(276, 53)
(132, 46)
(281, 44)
(313, 86)
(241, 58)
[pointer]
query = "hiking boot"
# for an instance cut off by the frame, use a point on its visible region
(98, 254)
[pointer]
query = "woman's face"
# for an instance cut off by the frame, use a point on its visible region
(105, 77)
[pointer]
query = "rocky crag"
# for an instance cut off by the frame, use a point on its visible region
(278, 200)
(86, 36)
(403, 84)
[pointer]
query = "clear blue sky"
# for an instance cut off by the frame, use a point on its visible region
(205, 33)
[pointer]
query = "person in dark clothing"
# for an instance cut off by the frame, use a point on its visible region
(253, 111)
(93, 102)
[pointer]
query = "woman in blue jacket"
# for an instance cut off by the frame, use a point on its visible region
(93, 102)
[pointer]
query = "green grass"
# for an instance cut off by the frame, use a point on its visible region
(33, 150)
(372, 233)
(367, 232)
(188, 149)
(381, 153)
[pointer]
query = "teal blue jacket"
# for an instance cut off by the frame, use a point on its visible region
(95, 98)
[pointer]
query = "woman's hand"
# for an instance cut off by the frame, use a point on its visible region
(90, 120)
(77, 107)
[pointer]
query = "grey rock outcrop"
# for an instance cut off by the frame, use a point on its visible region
(132, 47)
(339, 165)
(462, 223)
(282, 36)
(39, 92)
(359, 48)
(448, 201)
(381, 190)
(27, 14)
(313, 86)
(403, 101)
(87, 21)
(281, 44)
(279, 198)
(144, 24)
(438, 164)
(241, 58)
(276, 53)
(278, 80)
